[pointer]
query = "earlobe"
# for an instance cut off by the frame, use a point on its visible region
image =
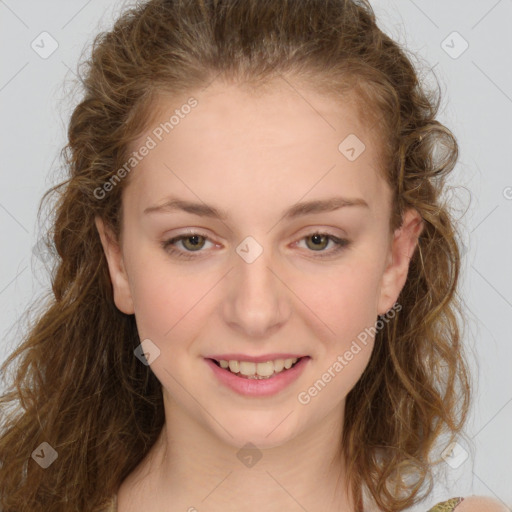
(118, 276)
(403, 245)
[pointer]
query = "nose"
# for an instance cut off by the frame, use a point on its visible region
(257, 300)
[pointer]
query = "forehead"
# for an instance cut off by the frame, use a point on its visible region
(279, 144)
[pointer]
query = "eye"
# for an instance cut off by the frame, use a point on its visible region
(194, 242)
(320, 240)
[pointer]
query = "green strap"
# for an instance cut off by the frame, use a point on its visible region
(446, 506)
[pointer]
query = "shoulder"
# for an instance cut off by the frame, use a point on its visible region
(481, 504)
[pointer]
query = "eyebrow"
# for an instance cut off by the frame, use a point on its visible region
(297, 210)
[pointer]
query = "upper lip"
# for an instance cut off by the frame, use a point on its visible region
(254, 359)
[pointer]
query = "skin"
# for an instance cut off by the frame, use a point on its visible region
(483, 504)
(254, 155)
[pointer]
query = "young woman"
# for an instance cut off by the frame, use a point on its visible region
(255, 297)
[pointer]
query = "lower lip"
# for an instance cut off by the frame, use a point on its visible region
(258, 387)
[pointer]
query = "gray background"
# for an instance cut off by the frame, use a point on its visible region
(36, 100)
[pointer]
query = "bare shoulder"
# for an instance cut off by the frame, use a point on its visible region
(481, 504)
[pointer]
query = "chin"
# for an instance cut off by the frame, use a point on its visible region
(264, 429)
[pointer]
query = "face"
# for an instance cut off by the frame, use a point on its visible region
(247, 274)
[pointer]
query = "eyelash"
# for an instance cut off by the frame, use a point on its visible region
(167, 245)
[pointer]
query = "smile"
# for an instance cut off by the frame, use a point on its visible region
(251, 370)
(257, 379)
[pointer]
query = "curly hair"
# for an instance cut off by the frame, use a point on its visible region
(76, 382)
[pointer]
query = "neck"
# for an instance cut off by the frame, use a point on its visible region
(192, 469)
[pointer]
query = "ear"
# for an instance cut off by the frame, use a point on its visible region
(118, 276)
(400, 253)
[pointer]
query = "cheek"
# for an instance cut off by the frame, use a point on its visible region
(346, 303)
(166, 299)
(346, 298)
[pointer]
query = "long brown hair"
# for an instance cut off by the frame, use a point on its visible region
(76, 384)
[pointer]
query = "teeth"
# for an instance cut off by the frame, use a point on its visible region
(246, 368)
(279, 365)
(258, 370)
(265, 369)
(288, 363)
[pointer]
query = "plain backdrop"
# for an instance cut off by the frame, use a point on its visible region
(467, 44)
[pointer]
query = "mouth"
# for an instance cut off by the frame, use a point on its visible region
(264, 376)
(257, 370)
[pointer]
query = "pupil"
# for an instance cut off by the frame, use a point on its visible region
(317, 240)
